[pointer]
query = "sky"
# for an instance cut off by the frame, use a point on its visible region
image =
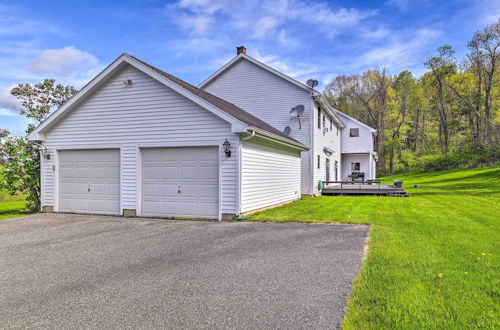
(72, 41)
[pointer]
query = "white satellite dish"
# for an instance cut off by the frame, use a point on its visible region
(287, 130)
(312, 83)
(297, 111)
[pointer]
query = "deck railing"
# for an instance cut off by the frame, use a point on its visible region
(360, 183)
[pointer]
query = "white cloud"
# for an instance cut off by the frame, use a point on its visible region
(7, 101)
(196, 25)
(257, 18)
(399, 53)
(298, 70)
(62, 61)
(263, 26)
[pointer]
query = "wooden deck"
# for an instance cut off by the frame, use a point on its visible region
(361, 188)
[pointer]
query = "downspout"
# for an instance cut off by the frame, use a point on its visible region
(311, 158)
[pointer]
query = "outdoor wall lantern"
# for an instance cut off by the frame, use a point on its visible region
(227, 151)
(44, 152)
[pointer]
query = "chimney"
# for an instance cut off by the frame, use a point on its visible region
(241, 50)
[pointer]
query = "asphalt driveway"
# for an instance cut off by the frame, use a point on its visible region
(80, 271)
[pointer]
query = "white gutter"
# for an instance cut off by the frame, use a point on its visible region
(278, 139)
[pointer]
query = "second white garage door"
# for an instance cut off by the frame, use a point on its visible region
(180, 182)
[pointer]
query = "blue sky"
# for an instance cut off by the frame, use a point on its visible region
(72, 41)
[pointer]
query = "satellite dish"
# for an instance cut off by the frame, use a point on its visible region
(312, 83)
(287, 130)
(297, 111)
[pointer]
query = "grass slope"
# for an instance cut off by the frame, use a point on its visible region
(12, 209)
(434, 258)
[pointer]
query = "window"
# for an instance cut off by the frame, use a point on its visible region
(355, 167)
(331, 124)
(337, 130)
(354, 132)
(319, 161)
(319, 118)
(324, 121)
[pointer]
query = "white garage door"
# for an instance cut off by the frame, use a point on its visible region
(89, 181)
(180, 182)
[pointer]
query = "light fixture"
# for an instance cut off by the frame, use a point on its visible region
(227, 151)
(44, 152)
(127, 82)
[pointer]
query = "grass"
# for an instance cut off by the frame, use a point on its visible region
(12, 209)
(434, 257)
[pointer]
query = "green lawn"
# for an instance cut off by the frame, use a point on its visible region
(12, 209)
(433, 258)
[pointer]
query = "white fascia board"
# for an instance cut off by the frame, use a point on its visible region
(371, 129)
(278, 139)
(124, 58)
(330, 110)
(260, 64)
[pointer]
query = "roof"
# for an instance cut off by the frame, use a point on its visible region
(224, 109)
(340, 113)
(260, 64)
(222, 104)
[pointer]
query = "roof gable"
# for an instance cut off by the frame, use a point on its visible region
(346, 116)
(241, 121)
(243, 56)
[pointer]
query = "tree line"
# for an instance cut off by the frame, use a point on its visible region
(451, 110)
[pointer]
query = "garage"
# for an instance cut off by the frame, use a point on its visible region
(89, 181)
(180, 182)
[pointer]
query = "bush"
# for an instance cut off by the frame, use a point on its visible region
(466, 159)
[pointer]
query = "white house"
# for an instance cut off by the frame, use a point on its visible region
(137, 141)
(270, 95)
(357, 145)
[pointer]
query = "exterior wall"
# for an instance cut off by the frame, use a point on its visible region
(362, 143)
(144, 114)
(270, 174)
(325, 138)
(366, 165)
(269, 98)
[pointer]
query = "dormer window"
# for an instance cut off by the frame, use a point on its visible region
(319, 117)
(354, 132)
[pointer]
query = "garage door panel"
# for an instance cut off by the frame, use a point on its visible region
(152, 190)
(113, 189)
(98, 170)
(152, 172)
(170, 190)
(192, 170)
(169, 172)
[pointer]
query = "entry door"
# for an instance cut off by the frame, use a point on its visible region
(181, 182)
(89, 181)
(327, 167)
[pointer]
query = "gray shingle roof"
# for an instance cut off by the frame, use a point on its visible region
(221, 104)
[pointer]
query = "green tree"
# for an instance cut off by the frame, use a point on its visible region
(20, 158)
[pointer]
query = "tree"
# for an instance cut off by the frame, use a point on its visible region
(442, 66)
(20, 158)
(485, 56)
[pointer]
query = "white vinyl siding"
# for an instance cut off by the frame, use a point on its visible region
(270, 174)
(324, 137)
(128, 117)
(270, 98)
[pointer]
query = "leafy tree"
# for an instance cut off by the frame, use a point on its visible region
(20, 158)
